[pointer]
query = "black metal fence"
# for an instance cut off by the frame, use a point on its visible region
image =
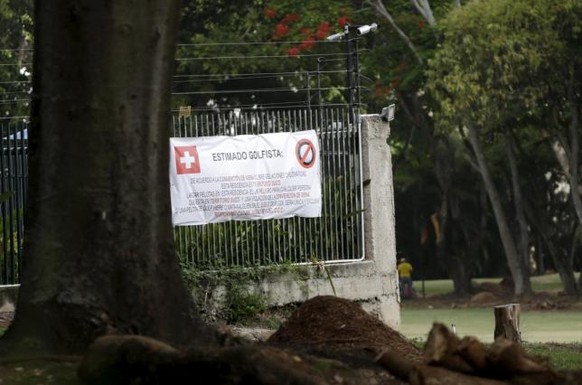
(14, 166)
(337, 236)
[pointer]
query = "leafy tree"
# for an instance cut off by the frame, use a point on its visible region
(15, 57)
(257, 53)
(491, 80)
(426, 162)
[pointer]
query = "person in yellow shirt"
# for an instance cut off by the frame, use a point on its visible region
(405, 278)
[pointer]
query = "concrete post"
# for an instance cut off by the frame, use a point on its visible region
(379, 222)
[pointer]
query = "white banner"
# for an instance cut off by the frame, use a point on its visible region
(246, 177)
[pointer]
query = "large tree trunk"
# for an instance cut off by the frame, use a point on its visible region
(519, 274)
(98, 253)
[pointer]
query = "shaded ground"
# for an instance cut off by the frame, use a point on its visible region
(326, 327)
(332, 334)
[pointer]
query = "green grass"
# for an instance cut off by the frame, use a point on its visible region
(549, 283)
(561, 356)
(553, 334)
(536, 327)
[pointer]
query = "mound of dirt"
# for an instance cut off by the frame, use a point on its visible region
(484, 298)
(500, 290)
(338, 323)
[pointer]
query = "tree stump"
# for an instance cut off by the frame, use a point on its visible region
(507, 322)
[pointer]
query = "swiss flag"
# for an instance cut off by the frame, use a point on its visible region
(187, 161)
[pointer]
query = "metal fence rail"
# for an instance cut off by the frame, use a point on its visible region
(335, 237)
(14, 166)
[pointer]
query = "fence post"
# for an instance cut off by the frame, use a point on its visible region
(379, 222)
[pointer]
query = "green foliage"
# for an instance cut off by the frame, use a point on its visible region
(15, 57)
(498, 61)
(242, 305)
(230, 293)
(510, 69)
(224, 43)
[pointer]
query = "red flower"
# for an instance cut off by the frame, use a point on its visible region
(307, 44)
(322, 30)
(281, 30)
(323, 26)
(293, 51)
(421, 24)
(270, 13)
(342, 21)
(290, 18)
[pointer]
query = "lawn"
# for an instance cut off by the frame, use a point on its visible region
(562, 326)
(548, 282)
(555, 334)
(536, 326)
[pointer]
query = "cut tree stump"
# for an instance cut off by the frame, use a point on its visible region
(507, 322)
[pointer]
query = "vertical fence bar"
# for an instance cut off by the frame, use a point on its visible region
(3, 205)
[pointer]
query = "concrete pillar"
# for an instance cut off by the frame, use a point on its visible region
(379, 221)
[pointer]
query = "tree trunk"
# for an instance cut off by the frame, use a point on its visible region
(520, 276)
(522, 232)
(507, 322)
(573, 131)
(565, 269)
(98, 254)
(460, 275)
(563, 260)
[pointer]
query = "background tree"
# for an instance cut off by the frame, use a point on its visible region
(426, 162)
(15, 57)
(490, 79)
(253, 53)
(99, 256)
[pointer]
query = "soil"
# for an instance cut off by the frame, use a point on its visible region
(328, 322)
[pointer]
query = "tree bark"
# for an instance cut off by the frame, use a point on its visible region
(507, 322)
(522, 225)
(563, 261)
(98, 254)
(573, 131)
(520, 277)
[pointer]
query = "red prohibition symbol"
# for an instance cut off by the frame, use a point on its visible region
(305, 152)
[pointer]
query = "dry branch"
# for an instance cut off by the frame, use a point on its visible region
(432, 375)
(396, 364)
